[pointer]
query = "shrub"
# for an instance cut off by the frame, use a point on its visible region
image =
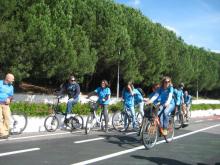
(40, 109)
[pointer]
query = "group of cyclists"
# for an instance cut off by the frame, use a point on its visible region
(164, 94)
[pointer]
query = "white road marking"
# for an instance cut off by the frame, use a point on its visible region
(138, 148)
(89, 140)
(36, 136)
(18, 152)
(199, 121)
(130, 133)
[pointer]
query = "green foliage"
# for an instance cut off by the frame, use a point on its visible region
(33, 109)
(205, 106)
(115, 107)
(51, 39)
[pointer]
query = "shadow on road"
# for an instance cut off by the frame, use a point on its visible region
(160, 161)
(122, 140)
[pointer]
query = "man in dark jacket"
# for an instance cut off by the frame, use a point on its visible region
(72, 88)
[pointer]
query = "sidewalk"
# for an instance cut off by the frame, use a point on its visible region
(36, 124)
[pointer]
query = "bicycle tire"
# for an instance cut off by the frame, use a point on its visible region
(170, 131)
(89, 123)
(77, 122)
(19, 120)
(51, 123)
(118, 121)
(149, 134)
(139, 118)
(177, 120)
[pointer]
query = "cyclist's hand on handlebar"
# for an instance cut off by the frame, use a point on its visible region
(60, 96)
(148, 102)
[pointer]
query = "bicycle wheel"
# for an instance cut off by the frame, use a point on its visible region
(119, 119)
(90, 122)
(139, 119)
(149, 134)
(51, 123)
(19, 122)
(170, 133)
(77, 122)
(177, 120)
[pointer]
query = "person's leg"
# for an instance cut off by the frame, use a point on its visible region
(1, 121)
(70, 104)
(133, 117)
(141, 108)
(105, 110)
(125, 118)
(6, 121)
(166, 115)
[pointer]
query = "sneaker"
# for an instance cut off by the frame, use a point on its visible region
(164, 132)
(122, 130)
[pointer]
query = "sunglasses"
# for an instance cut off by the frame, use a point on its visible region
(166, 81)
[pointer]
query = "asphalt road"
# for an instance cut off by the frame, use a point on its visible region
(198, 144)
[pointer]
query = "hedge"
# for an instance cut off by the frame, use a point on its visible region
(40, 109)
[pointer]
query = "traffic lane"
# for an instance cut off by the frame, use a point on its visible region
(200, 148)
(205, 122)
(179, 134)
(64, 150)
(52, 147)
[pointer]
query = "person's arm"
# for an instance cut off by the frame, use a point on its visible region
(91, 94)
(154, 97)
(77, 91)
(170, 96)
(10, 96)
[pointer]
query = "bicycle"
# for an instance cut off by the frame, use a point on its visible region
(51, 123)
(151, 128)
(118, 119)
(18, 122)
(181, 118)
(94, 122)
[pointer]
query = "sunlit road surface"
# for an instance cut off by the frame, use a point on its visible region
(198, 143)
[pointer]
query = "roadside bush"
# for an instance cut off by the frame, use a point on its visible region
(40, 109)
(205, 106)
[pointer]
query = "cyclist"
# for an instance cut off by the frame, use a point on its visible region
(164, 95)
(128, 97)
(178, 96)
(187, 101)
(104, 94)
(139, 100)
(6, 94)
(72, 88)
(153, 91)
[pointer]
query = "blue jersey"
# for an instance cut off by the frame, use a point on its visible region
(138, 98)
(151, 95)
(163, 95)
(187, 99)
(6, 91)
(178, 94)
(128, 99)
(103, 93)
